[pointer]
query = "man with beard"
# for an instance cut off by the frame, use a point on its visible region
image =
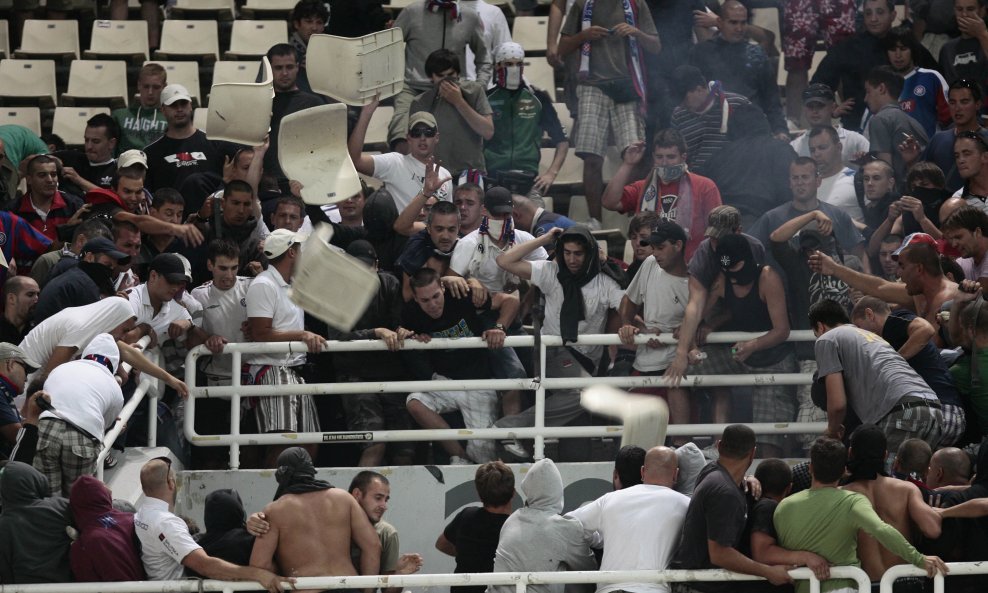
(84, 283)
(20, 295)
(311, 525)
(288, 99)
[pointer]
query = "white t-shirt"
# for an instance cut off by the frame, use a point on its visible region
(972, 271)
(267, 296)
(404, 175)
(484, 268)
(852, 143)
(74, 328)
(223, 314)
(664, 296)
(838, 190)
(165, 540)
(85, 392)
(169, 313)
(599, 295)
(639, 527)
(496, 32)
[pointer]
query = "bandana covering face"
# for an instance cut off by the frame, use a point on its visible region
(573, 310)
(636, 57)
(296, 474)
(676, 208)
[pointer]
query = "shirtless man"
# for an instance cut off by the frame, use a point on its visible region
(898, 502)
(311, 525)
(923, 289)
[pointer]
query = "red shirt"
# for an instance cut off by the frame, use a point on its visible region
(62, 209)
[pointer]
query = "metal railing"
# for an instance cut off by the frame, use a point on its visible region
(907, 570)
(540, 384)
(519, 580)
(148, 387)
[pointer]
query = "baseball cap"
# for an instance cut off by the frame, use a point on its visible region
(187, 267)
(915, 239)
(498, 200)
(362, 250)
(170, 266)
(104, 245)
(280, 241)
(422, 117)
(817, 93)
(731, 250)
(663, 231)
(722, 221)
(9, 351)
(132, 157)
(173, 93)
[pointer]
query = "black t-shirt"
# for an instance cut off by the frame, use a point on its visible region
(171, 161)
(459, 320)
(927, 362)
(475, 533)
(717, 512)
(99, 175)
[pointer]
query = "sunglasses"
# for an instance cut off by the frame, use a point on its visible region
(422, 132)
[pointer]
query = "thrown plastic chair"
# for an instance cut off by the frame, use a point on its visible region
(645, 419)
(329, 284)
(240, 112)
(312, 150)
(378, 61)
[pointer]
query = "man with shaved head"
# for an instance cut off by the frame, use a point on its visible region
(614, 521)
(949, 466)
(167, 548)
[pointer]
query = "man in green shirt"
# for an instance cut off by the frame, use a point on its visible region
(143, 123)
(825, 520)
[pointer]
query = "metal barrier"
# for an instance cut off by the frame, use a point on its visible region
(148, 386)
(907, 570)
(519, 580)
(540, 384)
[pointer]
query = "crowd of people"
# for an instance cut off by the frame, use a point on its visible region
(853, 205)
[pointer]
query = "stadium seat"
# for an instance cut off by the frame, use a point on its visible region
(4, 39)
(531, 32)
(29, 117)
(231, 71)
(223, 10)
(70, 123)
(189, 40)
(271, 9)
(97, 82)
(30, 82)
(540, 74)
(253, 39)
(44, 39)
(769, 19)
(377, 131)
(572, 172)
(199, 118)
(564, 118)
(183, 73)
(119, 39)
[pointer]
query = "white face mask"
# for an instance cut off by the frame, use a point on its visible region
(509, 77)
(495, 227)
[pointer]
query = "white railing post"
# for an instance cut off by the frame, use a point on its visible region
(539, 447)
(235, 411)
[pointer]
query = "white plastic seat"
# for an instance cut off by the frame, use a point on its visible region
(571, 173)
(189, 40)
(183, 73)
(540, 74)
(531, 33)
(4, 39)
(223, 10)
(312, 149)
(200, 118)
(253, 39)
(240, 112)
(273, 9)
(119, 39)
(226, 71)
(377, 131)
(42, 38)
(375, 64)
(102, 82)
(70, 123)
(28, 81)
(29, 117)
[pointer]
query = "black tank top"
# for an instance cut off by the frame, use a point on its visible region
(750, 314)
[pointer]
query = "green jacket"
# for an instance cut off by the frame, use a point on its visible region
(520, 118)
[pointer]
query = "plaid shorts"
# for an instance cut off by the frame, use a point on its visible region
(479, 410)
(64, 453)
(288, 413)
(599, 114)
(769, 403)
(954, 425)
(919, 422)
(808, 411)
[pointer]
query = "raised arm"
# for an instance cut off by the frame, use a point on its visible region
(892, 292)
(364, 163)
(792, 226)
(513, 260)
(615, 187)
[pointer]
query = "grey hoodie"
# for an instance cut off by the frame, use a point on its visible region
(537, 537)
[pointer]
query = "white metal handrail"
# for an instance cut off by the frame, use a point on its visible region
(540, 384)
(148, 385)
(908, 570)
(520, 580)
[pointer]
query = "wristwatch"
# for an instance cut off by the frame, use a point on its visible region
(500, 327)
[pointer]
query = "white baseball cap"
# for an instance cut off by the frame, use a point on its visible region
(280, 240)
(132, 157)
(173, 93)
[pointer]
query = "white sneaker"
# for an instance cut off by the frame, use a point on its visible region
(457, 460)
(515, 448)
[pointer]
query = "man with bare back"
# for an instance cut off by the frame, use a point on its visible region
(897, 502)
(311, 525)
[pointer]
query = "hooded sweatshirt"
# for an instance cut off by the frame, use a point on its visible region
(536, 537)
(107, 548)
(226, 537)
(34, 547)
(85, 391)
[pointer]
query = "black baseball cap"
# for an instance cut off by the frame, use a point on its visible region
(498, 200)
(170, 266)
(663, 231)
(104, 245)
(362, 250)
(818, 93)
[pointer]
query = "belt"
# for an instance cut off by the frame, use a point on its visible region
(929, 403)
(74, 426)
